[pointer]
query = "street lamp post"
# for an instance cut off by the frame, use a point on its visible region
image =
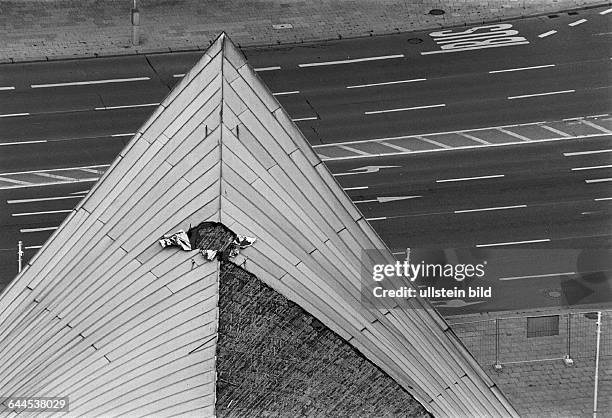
(135, 18)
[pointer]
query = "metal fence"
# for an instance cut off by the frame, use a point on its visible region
(522, 339)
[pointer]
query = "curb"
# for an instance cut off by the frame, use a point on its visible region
(305, 41)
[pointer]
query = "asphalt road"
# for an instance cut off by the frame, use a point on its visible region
(77, 113)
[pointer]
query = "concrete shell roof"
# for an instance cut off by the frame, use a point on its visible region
(105, 315)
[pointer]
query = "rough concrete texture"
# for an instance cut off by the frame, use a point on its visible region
(46, 29)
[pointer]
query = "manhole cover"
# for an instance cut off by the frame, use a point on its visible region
(552, 16)
(436, 12)
(572, 13)
(414, 41)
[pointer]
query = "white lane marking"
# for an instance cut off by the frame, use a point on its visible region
(545, 34)
(53, 169)
(402, 109)
(14, 181)
(395, 147)
(285, 93)
(57, 177)
(444, 51)
(52, 183)
(41, 199)
(489, 209)
(447, 148)
(267, 68)
(128, 134)
(10, 115)
(473, 138)
(431, 134)
(350, 61)
(521, 69)
(471, 178)
(594, 167)
(46, 212)
(7, 88)
(84, 83)
(381, 218)
(535, 276)
(81, 192)
(302, 119)
(364, 170)
(33, 247)
(514, 134)
(496, 244)
(597, 151)
(557, 131)
(578, 22)
(523, 96)
(49, 228)
(386, 199)
(178, 75)
(432, 142)
(601, 199)
(354, 150)
(595, 126)
(23, 142)
(126, 106)
(589, 181)
(355, 188)
(386, 83)
(605, 12)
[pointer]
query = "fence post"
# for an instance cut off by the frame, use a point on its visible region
(20, 254)
(497, 364)
(568, 356)
(597, 365)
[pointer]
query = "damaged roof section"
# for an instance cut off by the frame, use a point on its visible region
(275, 359)
(212, 239)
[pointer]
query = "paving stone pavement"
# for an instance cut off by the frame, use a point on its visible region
(48, 29)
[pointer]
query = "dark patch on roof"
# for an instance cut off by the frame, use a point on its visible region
(274, 359)
(210, 236)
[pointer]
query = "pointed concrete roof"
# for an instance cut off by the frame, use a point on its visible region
(104, 314)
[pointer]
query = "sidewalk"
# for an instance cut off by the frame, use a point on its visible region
(48, 29)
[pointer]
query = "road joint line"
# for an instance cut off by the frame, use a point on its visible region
(526, 96)
(90, 82)
(350, 61)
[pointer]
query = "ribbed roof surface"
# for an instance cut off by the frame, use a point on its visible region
(106, 316)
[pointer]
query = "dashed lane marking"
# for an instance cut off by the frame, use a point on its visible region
(48, 228)
(351, 61)
(126, 106)
(7, 88)
(42, 199)
(545, 34)
(273, 68)
(577, 22)
(522, 69)
(594, 167)
(597, 151)
(493, 176)
(84, 83)
(605, 12)
(490, 209)
(498, 244)
(533, 132)
(10, 115)
(536, 276)
(46, 212)
(589, 181)
(286, 93)
(36, 178)
(304, 119)
(386, 83)
(549, 93)
(600, 199)
(402, 109)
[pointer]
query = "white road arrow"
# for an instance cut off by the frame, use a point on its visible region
(366, 170)
(386, 199)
